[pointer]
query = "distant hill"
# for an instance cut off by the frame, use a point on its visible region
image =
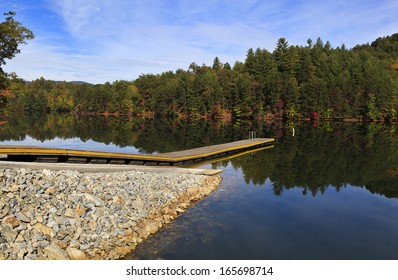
(78, 82)
(72, 82)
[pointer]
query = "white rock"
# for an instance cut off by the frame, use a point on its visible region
(54, 252)
(76, 254)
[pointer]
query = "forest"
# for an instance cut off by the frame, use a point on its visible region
(315, 81)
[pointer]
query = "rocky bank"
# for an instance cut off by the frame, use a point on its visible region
(66, 214)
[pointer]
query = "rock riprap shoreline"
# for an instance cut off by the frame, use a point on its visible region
(69, 214)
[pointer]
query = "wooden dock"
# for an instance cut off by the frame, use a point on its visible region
(32, 153)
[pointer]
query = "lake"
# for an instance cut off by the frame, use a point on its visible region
(324, 191)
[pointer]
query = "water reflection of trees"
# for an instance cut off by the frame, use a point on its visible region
(336, 154)
(363, 155)
(150, 135)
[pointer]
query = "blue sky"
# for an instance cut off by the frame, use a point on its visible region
(107, 40)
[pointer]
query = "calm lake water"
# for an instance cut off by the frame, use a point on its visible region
(328, 192)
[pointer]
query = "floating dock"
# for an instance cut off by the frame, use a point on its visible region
(32, 153)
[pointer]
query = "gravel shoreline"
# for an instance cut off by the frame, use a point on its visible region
(69, 214)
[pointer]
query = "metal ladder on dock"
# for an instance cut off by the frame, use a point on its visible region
(252, 135)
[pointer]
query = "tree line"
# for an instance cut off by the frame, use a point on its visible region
(291, 82)
(313, 81)
(41, 95)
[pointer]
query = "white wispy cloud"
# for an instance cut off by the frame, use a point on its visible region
(107, 40)
(340, 21)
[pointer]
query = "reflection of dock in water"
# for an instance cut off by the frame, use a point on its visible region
(222, 158)
(186, 157)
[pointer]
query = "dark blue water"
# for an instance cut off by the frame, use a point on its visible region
(329, 192)
(246, 221)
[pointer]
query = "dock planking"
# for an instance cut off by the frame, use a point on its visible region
(33, 153)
